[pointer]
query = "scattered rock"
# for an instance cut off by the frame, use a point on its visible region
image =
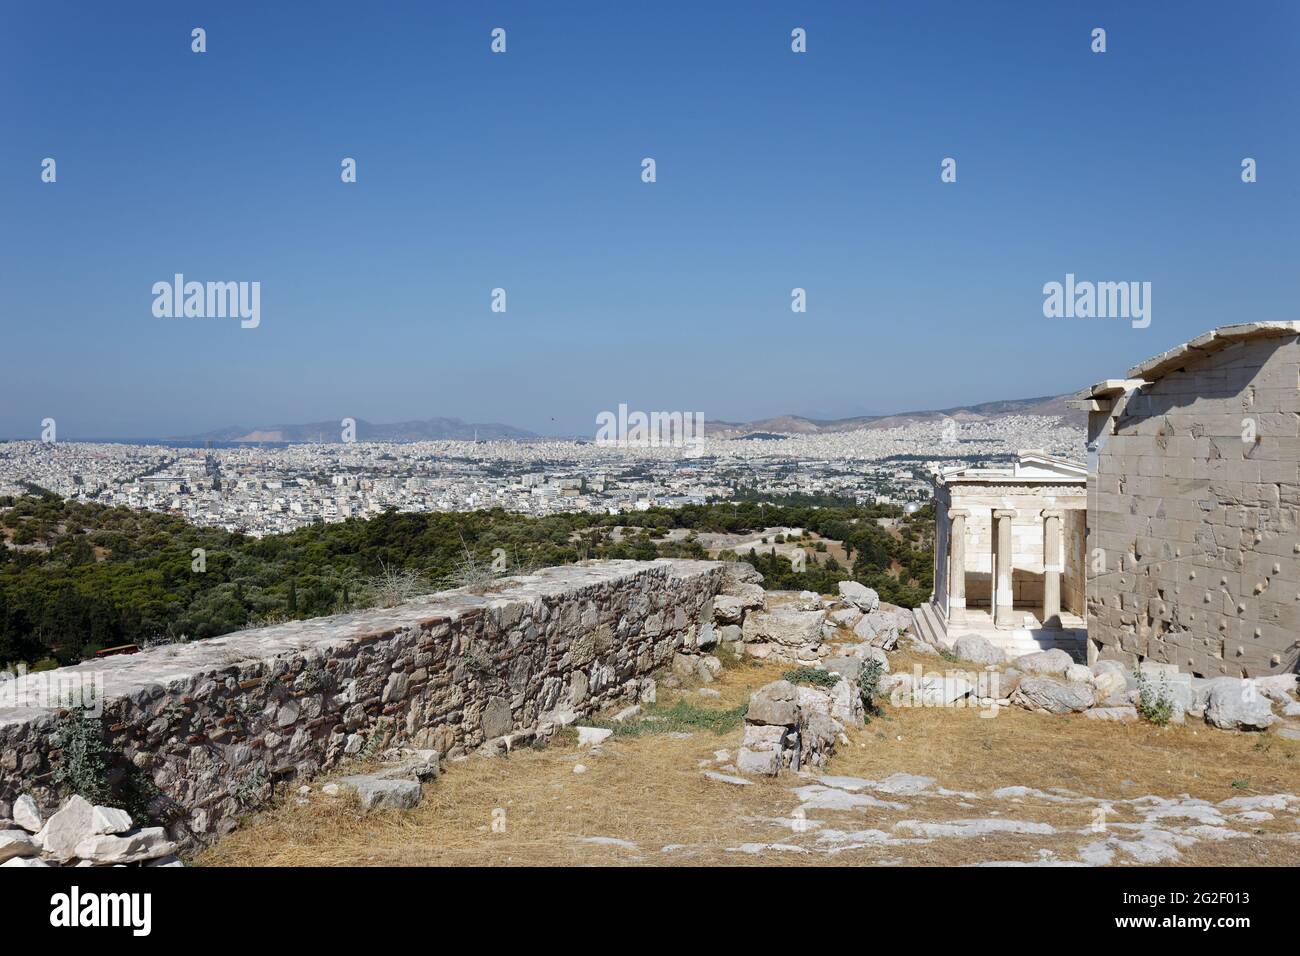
(107, 820)
(610, 841)
(785, 634)
(879, 630)
(1238, 706)
(860, 596)
(593, 736)
(422, 765)
(1078, 674)
(845, 617)
(66, 828)
(15, 843)
(107, 849)
(1109, 684)
(1052, 696)
(849, 667)
(692, 668)
(1122, 715)
(727, 778)
(776, 704)
(765, 763)
(977, 650)
(27, 815)
(1051, 663)
(377, 793)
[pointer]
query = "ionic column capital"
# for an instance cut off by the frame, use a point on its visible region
(1004, 512)
(955, 513)
(1053, 513)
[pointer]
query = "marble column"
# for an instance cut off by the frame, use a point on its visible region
(1002, 593)
(1051, 568)
(957, 563)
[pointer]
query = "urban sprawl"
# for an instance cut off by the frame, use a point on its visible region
(263, 489)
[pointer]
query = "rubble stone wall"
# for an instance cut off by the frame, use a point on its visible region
(1194, 504)
(213, 724)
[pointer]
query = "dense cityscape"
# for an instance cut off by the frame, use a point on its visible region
(271, 489)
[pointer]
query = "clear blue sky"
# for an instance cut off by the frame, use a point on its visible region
(522, 171)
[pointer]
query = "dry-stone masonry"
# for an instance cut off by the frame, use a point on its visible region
(214, 724)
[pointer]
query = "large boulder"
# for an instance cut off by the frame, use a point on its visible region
(845, 617)
(110, 820)
(1005, 682)
(775, 704)
(1052, 696)
(730, 608)
(107, 849)
(846, 703)
(376, 793)
(766, 763)
(933, 690)
(1109, 685)
(27, 814)
(785, 633)
(977, 650)
(62, 832)
(1276, 687)
(692, 669)
(849, 667)
(736, 573)
(16, 843)
(784, 625)
(1051, 663)
(860, 596)
(880, 630)
(1238, 705)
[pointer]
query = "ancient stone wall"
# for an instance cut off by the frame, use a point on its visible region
(214, 724)
(1194, 504)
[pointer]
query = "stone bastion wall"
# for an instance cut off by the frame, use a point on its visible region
(214, 724)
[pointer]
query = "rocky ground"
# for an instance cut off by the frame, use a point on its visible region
(732, 763)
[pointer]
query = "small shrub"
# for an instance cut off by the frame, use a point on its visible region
(811, 675)
(681, 717)
(1241, 783)
(869, 682)
(1154, 705)
(82, 764)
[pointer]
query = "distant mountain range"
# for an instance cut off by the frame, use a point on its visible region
(1051, 406)
(453, 429)
(431, 429)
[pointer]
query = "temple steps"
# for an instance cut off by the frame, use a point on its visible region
(930, 627)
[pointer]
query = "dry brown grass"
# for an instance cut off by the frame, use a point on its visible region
(650, 791)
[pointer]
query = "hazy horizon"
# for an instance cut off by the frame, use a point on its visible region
(199, 435)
